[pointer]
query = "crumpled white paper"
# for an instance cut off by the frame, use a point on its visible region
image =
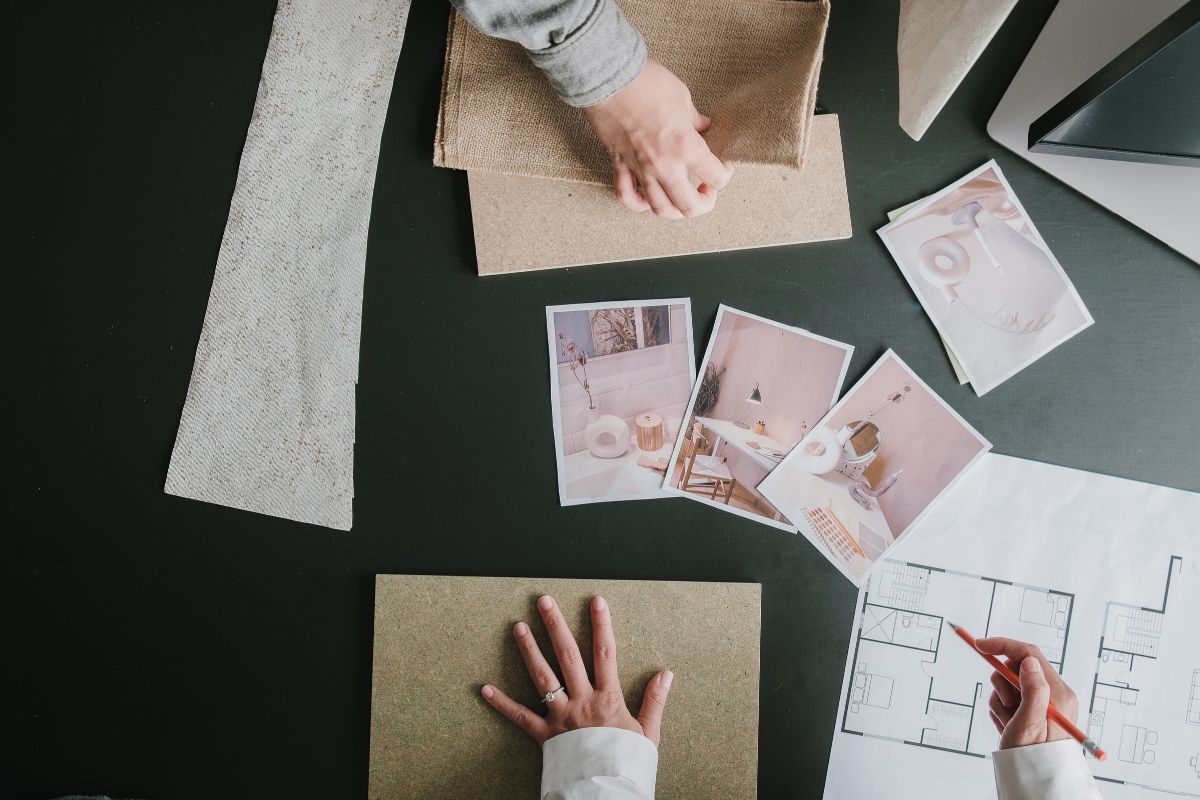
(268, 424)
(937, 44)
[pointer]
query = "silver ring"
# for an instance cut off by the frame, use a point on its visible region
(550, 697)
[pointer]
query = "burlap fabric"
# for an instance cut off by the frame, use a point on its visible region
(752, 66)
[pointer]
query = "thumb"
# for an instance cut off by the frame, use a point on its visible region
(653, 704)
(1029, 722)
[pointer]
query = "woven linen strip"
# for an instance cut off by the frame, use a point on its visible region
(752, 66)
(268, 423)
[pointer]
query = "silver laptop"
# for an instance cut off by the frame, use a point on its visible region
(1080, 38)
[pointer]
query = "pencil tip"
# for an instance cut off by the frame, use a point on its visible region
(950, 624)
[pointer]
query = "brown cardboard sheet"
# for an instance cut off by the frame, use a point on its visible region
(533, 223)
(439, 639)
(751, 65)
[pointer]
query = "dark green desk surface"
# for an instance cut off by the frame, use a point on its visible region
(170, 649)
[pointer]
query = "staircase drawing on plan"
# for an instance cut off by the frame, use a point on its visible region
(915, 682)
(1145, 700)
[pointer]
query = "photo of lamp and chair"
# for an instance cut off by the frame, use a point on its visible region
(761, 384)
(866, 473)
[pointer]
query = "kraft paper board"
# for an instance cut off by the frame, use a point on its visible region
(533, 223)
(751, 65)
(439, 639)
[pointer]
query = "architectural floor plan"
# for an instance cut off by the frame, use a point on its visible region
(916, 683)
(1102, 574)
(1145, 705)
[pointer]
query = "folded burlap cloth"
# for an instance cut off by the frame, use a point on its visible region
(752, 66)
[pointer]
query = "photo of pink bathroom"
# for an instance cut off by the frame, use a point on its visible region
(863, 476)
(621, 375)
(761, 386)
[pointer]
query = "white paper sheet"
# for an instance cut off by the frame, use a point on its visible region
(1102, 573)
(268, 424)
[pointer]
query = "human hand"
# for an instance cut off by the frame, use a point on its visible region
(652, 131)
(1020, 716)
(581, 705)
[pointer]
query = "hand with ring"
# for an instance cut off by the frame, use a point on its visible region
(576, 703)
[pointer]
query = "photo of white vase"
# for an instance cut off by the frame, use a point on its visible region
(996, 273)
(606, 436)
(615, 369)
(993, 289)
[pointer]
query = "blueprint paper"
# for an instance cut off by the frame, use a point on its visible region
(1102, 573)
(268, 424)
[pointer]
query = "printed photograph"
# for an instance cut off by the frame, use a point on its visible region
(620, 378)
(762, 384)
(995, 292)
(862, 477)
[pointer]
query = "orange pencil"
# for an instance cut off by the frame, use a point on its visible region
(1053, 713)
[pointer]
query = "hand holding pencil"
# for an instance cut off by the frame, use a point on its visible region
(1030, 702)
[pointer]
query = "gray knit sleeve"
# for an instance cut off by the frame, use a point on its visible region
(587, 48)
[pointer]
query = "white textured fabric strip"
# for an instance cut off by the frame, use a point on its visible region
(268, 424)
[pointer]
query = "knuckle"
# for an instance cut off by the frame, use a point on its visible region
(545, 677)
(522, 718)
(606, 652)
(569, 658)
(610, 701)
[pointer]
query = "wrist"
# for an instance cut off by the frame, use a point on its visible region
(603, 56)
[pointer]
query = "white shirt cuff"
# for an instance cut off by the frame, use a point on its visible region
(1050, 771)
(599, 764)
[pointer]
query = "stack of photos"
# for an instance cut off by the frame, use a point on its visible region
(867, 473)
(761, 386)
(995, 292)
(620, 377)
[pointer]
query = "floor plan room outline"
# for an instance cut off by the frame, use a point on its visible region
(1144, 707)
(916, 683)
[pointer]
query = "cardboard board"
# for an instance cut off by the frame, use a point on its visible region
(439, 639)
(534, 223)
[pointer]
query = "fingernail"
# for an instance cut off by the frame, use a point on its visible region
(668, 676)
(545, 602)
(488, 691)
(599, 603)
(1031, 664)
(520, 629)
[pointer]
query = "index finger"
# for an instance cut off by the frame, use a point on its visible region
(1016, 652)
(565, 648)
(710, 169)
(604, 646)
